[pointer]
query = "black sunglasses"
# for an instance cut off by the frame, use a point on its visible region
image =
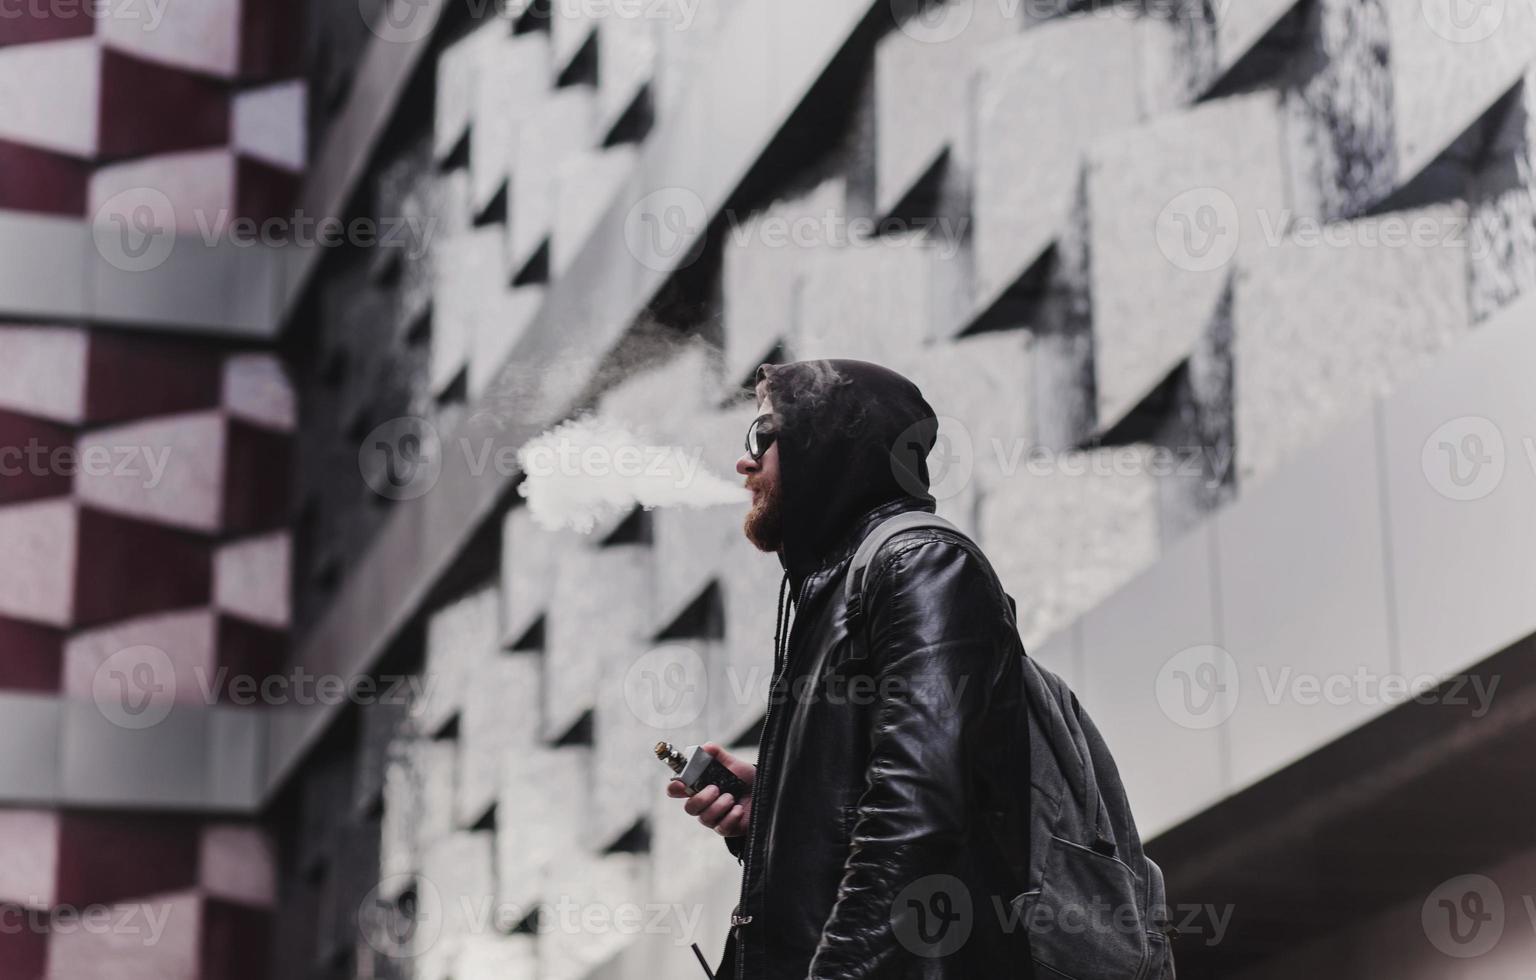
(760, 435)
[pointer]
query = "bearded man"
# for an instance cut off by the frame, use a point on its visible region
(885, 826)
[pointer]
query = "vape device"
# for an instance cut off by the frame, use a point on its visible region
(698, 769)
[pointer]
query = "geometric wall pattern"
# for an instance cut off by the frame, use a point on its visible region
(144, 504)
(1122, 233)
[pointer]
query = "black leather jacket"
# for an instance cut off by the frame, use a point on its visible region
(891, 800)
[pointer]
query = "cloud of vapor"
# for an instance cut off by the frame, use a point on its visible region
(587, 470)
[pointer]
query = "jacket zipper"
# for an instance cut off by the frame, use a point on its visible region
(746, 873)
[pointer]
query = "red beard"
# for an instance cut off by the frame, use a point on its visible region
(763, 525)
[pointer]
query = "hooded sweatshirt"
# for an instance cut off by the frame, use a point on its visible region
(852, 437)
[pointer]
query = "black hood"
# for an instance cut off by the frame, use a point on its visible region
(852, 437)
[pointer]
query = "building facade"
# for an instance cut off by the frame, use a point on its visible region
(1226, 308)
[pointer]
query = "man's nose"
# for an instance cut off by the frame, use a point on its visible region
(746, 465)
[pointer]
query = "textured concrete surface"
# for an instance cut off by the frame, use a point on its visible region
(1502, 234)
(874, 298)
(87, 953)
(1239, 26)
(586, 930)
(923, 92)
(570, 27)
(164, 429)
(1448, 68)
(1378, 308)
(42, 537)
(501, 716)
(29, 841)
(984, 391)
(48, 371)
(65, 77)
(542, 817)
(498, 326)
(682, 49)
(529, 556)
(202, 187)
(511, 76)
(459, 637)
(1172, 203)
(1340, 126)
(587, 629)
(461, 868)
(1064, 532)
(468, 286)
(268, 124)
(188, 639)
(764, 262)
(557, 129)
(458, 69)
(640, 701)
(202, 37)
(492, 957)
(739, 669)
(1029, 153)
(418, 806)
(257, 389)
(626, 58)
(583, 186)
(235, 862)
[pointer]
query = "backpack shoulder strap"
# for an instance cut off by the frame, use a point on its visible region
(864, 556)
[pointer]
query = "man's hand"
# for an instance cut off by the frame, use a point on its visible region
(723, 814)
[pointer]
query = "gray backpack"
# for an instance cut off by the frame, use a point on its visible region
(1094, 906)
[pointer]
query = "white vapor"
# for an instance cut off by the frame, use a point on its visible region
(586, 470)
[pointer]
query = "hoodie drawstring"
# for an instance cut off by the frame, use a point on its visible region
(780, 621)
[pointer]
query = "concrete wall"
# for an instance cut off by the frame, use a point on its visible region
(144, 509)
(1210, 298)
(1174, 281)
